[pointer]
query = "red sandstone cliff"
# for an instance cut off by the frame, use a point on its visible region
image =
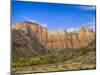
(57, 40)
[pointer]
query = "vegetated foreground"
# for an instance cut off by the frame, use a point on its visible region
(50, 63)
(77, 63)
(32, 53)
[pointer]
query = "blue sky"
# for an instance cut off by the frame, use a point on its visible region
(54, 16)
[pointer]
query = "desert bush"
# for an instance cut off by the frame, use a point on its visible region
(33, 61)
(47, 59)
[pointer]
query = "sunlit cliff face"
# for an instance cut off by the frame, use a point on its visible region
(56, 39)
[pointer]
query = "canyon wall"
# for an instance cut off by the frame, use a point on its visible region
(57, 39)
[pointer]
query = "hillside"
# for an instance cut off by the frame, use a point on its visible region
(80, 59)
(25, 43)
(34, 47)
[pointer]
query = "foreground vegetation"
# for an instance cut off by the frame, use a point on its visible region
(70, 60)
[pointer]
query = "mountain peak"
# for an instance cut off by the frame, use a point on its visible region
(25, 24)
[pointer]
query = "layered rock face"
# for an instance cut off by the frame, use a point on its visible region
(58, 40)
(39, 31)
(76, 39)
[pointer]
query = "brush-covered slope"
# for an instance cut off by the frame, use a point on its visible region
(25, 43)
(79, 59)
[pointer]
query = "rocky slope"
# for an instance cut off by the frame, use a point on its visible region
(33, 39)
(77, 59)
(25, 43)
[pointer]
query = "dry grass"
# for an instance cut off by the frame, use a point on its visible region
(85, 61)
(54, 67)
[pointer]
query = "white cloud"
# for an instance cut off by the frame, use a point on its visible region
(87, 7)
(90, 24)
(44, 25)
(31, 20)
(71, 29)
(28, 19)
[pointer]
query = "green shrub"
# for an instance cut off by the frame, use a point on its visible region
(50, 59)
(33, 61)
